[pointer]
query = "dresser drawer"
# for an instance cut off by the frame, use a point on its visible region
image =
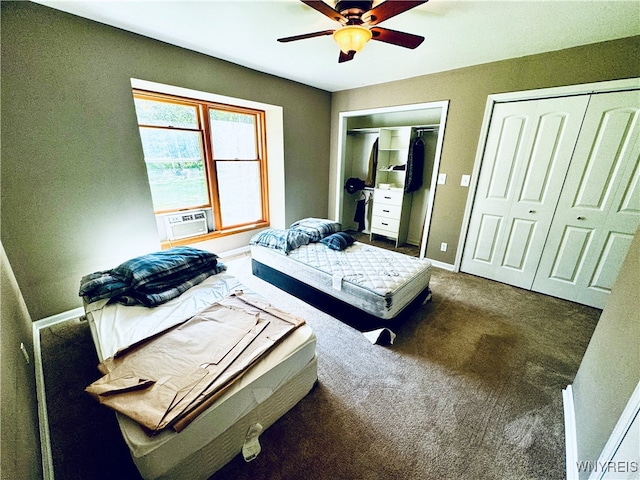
(389, 197)
(384, 224)
(386, 210)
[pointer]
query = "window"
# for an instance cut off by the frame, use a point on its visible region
(204, 155)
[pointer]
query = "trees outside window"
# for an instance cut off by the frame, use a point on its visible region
(202, 155)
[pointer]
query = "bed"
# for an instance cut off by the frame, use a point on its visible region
(238, 413)
(361, 284)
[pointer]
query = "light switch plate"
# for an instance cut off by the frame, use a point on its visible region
(465, 180)
(442, 178)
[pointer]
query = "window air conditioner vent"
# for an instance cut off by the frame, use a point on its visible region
(186, 224)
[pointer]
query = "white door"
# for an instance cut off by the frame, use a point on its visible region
(527, 154)
(599, 210)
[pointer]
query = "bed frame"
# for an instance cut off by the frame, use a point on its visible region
(335, 307)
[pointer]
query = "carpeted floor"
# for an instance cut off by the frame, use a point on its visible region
(471, 389)
(387, 243)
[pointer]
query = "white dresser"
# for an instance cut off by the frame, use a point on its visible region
(390, 214)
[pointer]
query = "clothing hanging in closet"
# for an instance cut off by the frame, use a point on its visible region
(415, 166)
(373, 166)
(361, 210)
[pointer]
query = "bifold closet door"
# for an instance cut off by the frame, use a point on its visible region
(599, 209)
(526, 158)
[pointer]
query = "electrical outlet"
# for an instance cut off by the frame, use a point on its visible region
(443, 247)
(442, 178)
(25, 353)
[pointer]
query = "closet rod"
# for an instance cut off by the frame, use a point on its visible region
(363, 130)
(427, 129)
(377, 129)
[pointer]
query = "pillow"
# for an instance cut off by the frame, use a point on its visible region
(316, 228)
(283, 240)
(338, 241)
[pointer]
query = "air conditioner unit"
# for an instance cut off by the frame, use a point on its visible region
(185, 224)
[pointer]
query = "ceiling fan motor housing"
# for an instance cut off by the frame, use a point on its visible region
(353, 9)
(359, 24)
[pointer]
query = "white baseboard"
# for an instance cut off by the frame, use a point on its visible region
(59, 318)
(442, 265)
(45, 438)
(571, 443)
(237, 252)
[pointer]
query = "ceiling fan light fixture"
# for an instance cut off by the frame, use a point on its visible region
(352, 38)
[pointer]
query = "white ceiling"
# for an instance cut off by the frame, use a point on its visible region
(458, 33)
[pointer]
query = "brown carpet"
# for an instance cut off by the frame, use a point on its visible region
(471, 389)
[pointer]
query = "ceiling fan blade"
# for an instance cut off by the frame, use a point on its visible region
(388, 9)
(326, 10)
(306, 35)
(345, 57)
(402, 39)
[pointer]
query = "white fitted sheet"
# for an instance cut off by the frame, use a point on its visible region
(378, 281)
(115, 326)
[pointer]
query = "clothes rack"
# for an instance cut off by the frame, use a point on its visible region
(421, 130)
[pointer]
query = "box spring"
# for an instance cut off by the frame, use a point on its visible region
(374, 298)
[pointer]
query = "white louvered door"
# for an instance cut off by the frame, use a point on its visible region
(599, 210)
(527, 154)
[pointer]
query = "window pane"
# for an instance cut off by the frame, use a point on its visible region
(165, 114)
(168, 145)
(240, 192)
(175, 167)
(233, 135)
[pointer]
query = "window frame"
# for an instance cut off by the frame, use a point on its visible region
(202, 110)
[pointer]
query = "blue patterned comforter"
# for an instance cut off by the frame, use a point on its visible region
(151, 279)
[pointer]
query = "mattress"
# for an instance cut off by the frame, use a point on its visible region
(268, 390)
(380, 282)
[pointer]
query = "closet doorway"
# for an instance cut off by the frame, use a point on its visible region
(378, 147)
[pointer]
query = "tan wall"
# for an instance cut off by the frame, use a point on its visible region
(75, 195)
(20, 451)
(610, 369)
(467, 90)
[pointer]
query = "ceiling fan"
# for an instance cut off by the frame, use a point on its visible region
(358, 22)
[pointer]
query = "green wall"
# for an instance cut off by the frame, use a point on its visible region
(75, 197)
(467, 90)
